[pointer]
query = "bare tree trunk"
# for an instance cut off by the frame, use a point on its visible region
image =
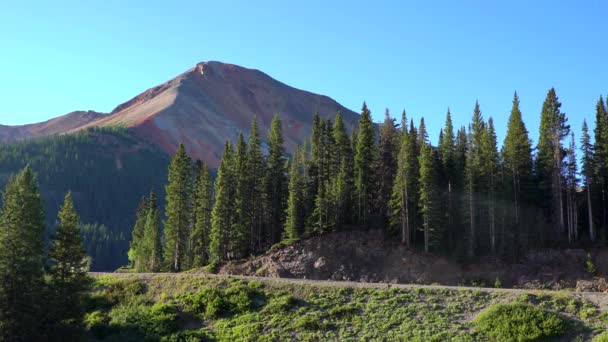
(590, 212)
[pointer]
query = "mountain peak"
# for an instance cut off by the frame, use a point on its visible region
(213, 102)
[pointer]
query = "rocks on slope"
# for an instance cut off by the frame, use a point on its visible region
(368, 256)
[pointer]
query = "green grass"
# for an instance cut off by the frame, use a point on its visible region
(191, 308)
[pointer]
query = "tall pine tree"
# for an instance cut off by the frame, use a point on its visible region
(549, 161)
(202, 211)
(366, 156)
(178, 207)
(517, 157)
(222, 216)
(69, 279)
(276, 182)
(21, 259)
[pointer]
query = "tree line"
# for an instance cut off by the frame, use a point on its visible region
(463, 197)
(41, 293)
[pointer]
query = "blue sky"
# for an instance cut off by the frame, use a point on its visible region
(421, 56)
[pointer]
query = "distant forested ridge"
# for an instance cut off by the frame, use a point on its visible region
(107, 170)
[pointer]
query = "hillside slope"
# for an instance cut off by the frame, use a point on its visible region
(186, 307)
(58, 125)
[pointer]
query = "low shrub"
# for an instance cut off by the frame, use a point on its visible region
(601, 338)
(189, 336)
(343, 310)
(281, 303)
(215, 302)
(519, 322)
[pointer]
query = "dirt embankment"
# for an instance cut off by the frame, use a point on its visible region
(367, 256)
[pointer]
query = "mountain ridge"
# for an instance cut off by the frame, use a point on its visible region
(205, 106)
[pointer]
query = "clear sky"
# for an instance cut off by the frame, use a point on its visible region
(421, 56)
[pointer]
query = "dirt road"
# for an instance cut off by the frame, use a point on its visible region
(598, 298)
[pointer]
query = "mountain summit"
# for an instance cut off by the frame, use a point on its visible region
(208, 104)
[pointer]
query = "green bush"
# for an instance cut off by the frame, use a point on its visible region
(123, 291)
(215, 302)
(144, 320)
(281, 303)
(343, 310)
(589, 265)
(519, 322)
(311, 321)
(95, 322)
(601, 338)
(189, 336)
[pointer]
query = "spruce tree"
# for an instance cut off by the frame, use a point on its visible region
(256, 169)
(177, 210)
(571, 184)
(135, 253)
(600, 149)
(549, 160)
(491, 170)
(276, 182)
(517, 157)
(344, 184)
(295, 215)
(69, 279)
(242, 223)
(366, 156)
(222, 216)
(202, 210)
(152, 248)
(21, 259)
(588, 177)
(447, 151)
(400, 197)
(387, 168)
(429, 196)
(474, 180)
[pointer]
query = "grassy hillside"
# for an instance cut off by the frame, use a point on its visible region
(107, 170)
(192, 308)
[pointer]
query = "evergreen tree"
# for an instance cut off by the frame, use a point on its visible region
(69, 279)
(152, 247)
(600, 149)
(256, 169)
(491, 171)
(178, 207)
(276, 182)
(138, 234)
(345, 182)
(242, 222)
(202, 210)
(366, 156)
(517, 156)
(21, 259)
(401, 194)
(222, 216)
(474, 179)
(447, 150)
(549, 160)
(296, 215)
(588, 177)
(388, 151)
(571, 186)
(429, 196)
